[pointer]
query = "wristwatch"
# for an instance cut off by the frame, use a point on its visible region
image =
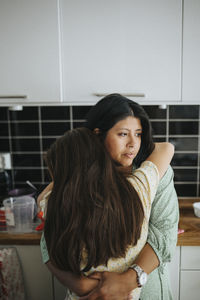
(141, 275)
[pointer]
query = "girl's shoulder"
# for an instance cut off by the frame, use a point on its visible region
(145, 180)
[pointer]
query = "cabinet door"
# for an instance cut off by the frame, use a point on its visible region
(190, 258)
(191, 51)
(190, 285)
(59, 290)
(125, 46)
(174, 273)
(37, 278)
(29, 52)
(190, 273)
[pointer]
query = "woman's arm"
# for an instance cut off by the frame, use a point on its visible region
(80, 285)
(162, 156)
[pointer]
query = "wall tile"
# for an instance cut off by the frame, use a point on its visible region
(185, 159)
(28, 113)
(46, 143)
(185, 175)
(183, 111)
(26, 160)
(181, 128)
(21, 145)
(55, 113)
(54, 128)
(186, 190)
(3, 129)
(32, 175)
(79, 112)
(25, 129)
(78, 124)
(47, 176)
(154, 112)
(4, 145)
(3, 114)
(159, 139)
(23, 184)
(185, 143)
(159, 128)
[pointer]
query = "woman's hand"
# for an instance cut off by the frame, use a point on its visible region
(112, 286)
(85, 286)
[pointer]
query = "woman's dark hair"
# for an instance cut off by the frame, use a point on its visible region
(114, 108)
(93, 211)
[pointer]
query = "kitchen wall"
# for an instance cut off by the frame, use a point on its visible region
(28, 133)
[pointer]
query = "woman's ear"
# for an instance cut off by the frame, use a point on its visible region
(97, 131)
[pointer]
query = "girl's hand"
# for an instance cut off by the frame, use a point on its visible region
(80, 285)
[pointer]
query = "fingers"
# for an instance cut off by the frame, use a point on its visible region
(90, 296)
(93, 295)
(96, 275)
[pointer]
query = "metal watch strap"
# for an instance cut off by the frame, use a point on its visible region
(139, 272)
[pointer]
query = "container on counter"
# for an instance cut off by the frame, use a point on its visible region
(19, 212)
(196, 206)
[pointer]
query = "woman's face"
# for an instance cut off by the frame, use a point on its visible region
(123, 140)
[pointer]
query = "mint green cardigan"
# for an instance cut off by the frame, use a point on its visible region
(162, 236)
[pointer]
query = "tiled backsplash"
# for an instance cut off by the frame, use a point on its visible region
(28, 133)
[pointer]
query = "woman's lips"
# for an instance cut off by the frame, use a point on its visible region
(129, 155)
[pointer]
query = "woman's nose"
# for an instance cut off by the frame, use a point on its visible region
(132, 142)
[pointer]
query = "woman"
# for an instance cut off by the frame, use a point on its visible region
(164, 216)
(97, 219)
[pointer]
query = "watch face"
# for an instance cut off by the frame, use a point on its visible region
(143, 278)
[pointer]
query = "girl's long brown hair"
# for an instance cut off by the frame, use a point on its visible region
(92, 207)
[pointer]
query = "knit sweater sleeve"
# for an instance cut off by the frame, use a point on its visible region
(163, 223)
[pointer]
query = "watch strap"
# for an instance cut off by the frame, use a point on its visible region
(139, 272)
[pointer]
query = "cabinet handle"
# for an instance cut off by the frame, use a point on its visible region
(123, 94)
(13, 96)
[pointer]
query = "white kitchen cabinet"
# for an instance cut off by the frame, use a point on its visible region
(190, 258)
(174, 267)
(29, 52)
(190, 285)
(191, 51)
(125, 46)
(190, 273)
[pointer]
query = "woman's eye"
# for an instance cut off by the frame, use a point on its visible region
(122, 134)
(138, 134)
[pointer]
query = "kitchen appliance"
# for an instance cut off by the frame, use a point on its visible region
(5, 180)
